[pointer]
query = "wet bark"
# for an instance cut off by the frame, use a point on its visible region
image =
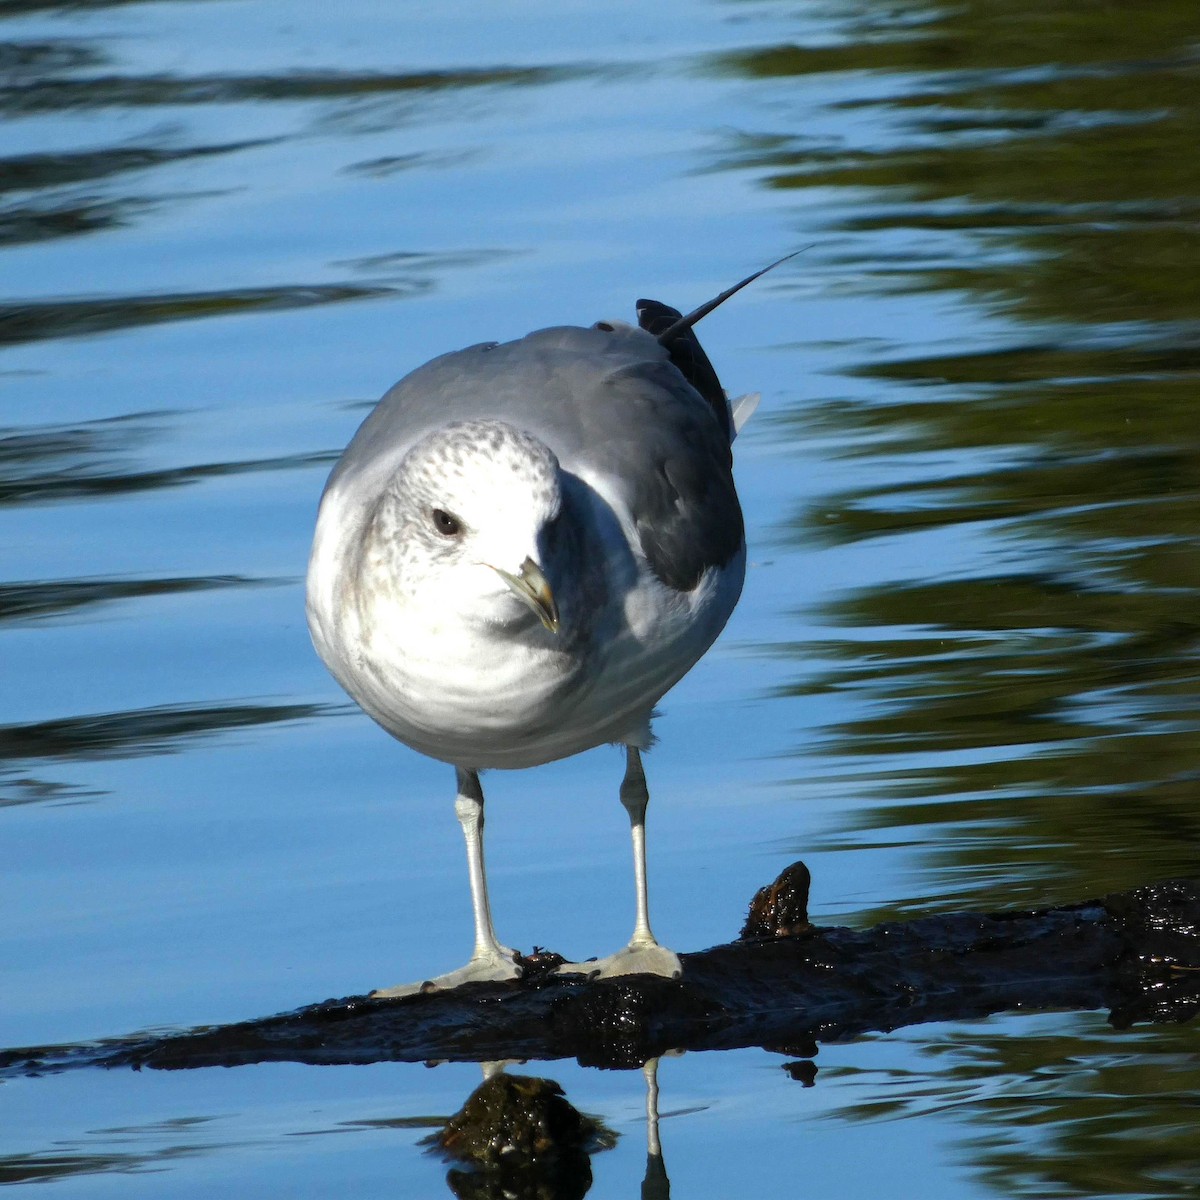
(1134, 954)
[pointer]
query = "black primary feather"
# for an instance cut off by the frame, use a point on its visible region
(675, 333)
(688, 356)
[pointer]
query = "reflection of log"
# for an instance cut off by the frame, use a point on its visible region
(1136, 954)
(518, 1135)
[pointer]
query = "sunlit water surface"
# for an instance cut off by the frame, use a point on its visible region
(963, 674)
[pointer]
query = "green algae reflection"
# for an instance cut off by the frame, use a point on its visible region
(1036, 719)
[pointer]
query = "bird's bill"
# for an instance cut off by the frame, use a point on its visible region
(531, 587)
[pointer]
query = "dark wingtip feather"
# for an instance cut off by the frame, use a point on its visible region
(688, 356)
(674, 333)
(671, 332)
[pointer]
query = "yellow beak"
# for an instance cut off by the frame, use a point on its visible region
(531, 586)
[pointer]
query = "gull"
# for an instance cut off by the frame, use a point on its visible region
(523, 548)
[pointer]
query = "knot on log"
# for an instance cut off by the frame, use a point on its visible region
(781, 909)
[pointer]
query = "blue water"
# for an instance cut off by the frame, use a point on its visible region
(962, 674)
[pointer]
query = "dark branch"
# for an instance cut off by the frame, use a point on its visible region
(1136, 954)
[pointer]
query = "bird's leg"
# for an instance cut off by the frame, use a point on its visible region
(490, 962)
(643, 955)
(635, 796)
(468, 807)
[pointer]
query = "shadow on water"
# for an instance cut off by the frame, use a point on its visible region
(105, 88)
(87, 461)
(48, 598)
(141, 731)
(91, 459)
(135, 733)
(1037, 723)
(396, 275)
(52, 211)
(168, 1141)
(57, 194)
(34, 320)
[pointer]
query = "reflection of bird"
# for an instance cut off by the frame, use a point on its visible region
(524, 546)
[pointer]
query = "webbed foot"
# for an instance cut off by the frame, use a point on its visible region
(497, 967)
(638, 958)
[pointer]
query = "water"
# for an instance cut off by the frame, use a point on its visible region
(964, 672)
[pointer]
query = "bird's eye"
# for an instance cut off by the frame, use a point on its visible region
(446, 523)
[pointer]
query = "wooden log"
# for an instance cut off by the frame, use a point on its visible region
(1135, 954)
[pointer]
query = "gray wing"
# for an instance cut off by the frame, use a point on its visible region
(663, 441)
(607, 400)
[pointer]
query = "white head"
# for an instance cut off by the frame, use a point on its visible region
(469, 526)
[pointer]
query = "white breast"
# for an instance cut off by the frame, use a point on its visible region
(487, 701)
